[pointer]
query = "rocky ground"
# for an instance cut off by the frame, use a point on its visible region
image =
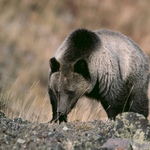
(129, 131)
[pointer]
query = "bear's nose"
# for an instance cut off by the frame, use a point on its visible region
(61, 112)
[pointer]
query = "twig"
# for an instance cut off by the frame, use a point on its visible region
(127, 98)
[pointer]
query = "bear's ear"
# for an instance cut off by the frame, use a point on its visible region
(54, 65)
(81, 67)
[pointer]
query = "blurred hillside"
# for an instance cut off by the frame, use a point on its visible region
(32, 30)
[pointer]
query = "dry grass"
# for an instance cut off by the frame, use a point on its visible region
(31, 31)
(32, 109)
(28, 107)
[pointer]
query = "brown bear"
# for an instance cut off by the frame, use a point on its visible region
(103, 65)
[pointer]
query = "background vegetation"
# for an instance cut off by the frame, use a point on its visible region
(32, 30)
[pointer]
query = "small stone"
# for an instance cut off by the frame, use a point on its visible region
(49, 133)
(21, 141)
(34, 132)
(65, 128)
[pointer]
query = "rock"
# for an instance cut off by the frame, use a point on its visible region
(21, 141)
(137, 146)
(56, 146)
(116, 143)
(131, 131)
(124, 144)
(31, 145)
(65, 128)
(132, 126)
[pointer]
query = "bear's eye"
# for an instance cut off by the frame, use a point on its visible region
(70, 93)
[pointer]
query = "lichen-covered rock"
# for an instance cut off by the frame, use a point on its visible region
(132, 131)
(132, 126)
(129, 131)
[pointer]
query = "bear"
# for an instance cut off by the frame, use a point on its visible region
(102, 65)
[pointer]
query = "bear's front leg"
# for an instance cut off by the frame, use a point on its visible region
(110, 110)
(56, 116)
(53, 101)
(111, 113)
(62, 118)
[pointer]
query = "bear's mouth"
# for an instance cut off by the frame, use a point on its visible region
(62, 113)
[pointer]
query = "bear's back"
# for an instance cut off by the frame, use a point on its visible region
(83, 43)
(130, 57)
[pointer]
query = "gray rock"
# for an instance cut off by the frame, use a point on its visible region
(131, 132)
(116, 143)
(132, 126)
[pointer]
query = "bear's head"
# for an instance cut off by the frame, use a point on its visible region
(69, 82)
